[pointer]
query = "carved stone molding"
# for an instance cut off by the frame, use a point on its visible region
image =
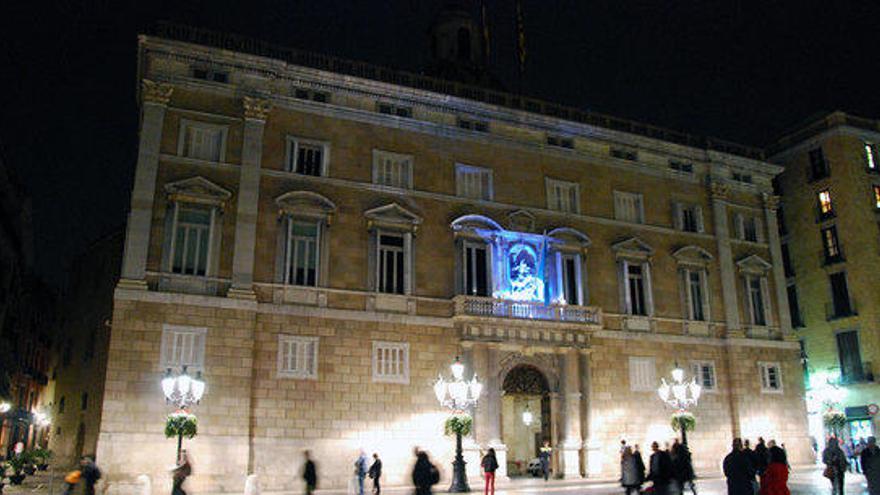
(719, 190)
(256, 108)
(547, 364)
(771, 202)
(156, 92)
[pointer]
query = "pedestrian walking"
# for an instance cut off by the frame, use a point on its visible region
(310, 473)
(683, 468)
(762, 456)
(871, 465)
(544, 455)
(660, 471)
(489, 465)
(425, 475)
(376, 473)
(774, 480)
(835, 465)
(739, 470)
(90, 473)
(179, 474)
(632, 475)
(848, 452)
(360, 471)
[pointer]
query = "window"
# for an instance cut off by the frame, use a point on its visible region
(771, 377)
(191, 247)
(696, 294)
(841, 304)
(635, 289)
(688, 218)
(392, 258)
(210, 75)
(390, 362)
(850, 357)
(563, 196)
(183, 346)
(794, 307)
(306, 157)
(570, 265)
(787, 267)
(876, 189)
(683, 167)
(392, 169)
(756, 298)
(302, 252)
(400, 111)
(61, 404)
(473, 182)
(642, 374)
(473, 125)
(561, 142)
(749, 228)
(84, 401)
(628, 207)
(624, 154)
(826, 209)
(872, 156)
(818, 165)
(297, 357)
(309, 94)
(704, 374)
(475, 268)
(741, 177)
(831, 245)
(202, 141)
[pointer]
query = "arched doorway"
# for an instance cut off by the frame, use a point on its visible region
(525, 389)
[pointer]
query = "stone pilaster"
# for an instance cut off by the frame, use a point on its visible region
(720, 193)
(155, 97)
(493, 411)
(255, 113)
(771, 205)
(571, 447)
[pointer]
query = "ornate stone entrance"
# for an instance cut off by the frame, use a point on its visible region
(525, 392)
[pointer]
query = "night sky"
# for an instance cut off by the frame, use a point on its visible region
(743, 71)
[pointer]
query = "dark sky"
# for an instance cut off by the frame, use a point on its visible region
(742, 71)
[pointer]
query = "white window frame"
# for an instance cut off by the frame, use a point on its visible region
(463, 184)
(300, 346)
(689, 312)
(697, 370)
(562, 203)
(765, 298)
(407, 260)
(170, 354)
(400, 348)
(290, 246)
(642, 374)
(562, 277)
(404, 161)
(637, 198)
(183, 147)
(678, 212)
(469, 244)
(292, 154)
(646, 287)
(764, 376)
(212, 228)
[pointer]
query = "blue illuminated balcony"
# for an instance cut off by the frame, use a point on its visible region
(488, 307)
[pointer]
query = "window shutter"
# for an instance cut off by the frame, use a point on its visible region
(765, 296)
(748, 300)
(168, 242)
(198, 352)
(623, 283)
(406, 173)
(649, 296)
(698, 210)
(759, 229)
(676, 216)
(552, 197)
(167, 349)
(704, 280)
(739, 225)
(214, 247)
(281, 249)
(684, 293)
(408, 264)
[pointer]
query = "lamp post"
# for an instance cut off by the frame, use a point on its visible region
(680, 395)
(527, 416)
(183, 391)
(458, 395)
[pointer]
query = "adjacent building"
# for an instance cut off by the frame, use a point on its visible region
(320, 238)
(830, 232)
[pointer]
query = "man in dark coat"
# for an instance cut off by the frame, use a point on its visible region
(762, 456)
(375, 473)
(90, 474)
(310, 474)
(425, 475)
(739, 470)
(660, 470)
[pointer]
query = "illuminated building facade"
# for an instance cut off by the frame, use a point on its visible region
(321, 238)
(831, 199)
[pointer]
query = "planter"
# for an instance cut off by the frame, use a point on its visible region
(16, 479)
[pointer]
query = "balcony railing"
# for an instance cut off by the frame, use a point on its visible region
(500, 308)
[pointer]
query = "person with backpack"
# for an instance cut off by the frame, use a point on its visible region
(90, 474)
(489, 465)
(425, 475)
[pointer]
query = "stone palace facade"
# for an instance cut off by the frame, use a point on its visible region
(321, 238)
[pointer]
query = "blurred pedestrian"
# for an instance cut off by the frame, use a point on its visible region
(375, 473)
(739, 470)
(774, 480)
(179, 474)
(489, 465)
(683, 467)
(360, 471)
(632, 474)
(660, 471)
(835, 465)
(871, 465)
(310, 473)
(544, 455)
(425, 475)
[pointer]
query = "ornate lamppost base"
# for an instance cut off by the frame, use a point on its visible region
(459, 475)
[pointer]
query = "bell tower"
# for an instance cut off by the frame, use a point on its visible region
(456, 37)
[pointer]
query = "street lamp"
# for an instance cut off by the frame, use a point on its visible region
(680, 395)
(527, 416)
(183, 391)
(458, 395)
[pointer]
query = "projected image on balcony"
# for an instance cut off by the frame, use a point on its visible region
(523, 272)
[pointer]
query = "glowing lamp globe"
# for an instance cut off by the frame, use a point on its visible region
(457, 369)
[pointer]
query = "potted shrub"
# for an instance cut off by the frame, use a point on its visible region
(41, 458)
(16, 464)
